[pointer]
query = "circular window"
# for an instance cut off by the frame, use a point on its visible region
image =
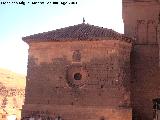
(77, 76)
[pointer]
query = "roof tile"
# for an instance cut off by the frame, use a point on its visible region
(78, 32)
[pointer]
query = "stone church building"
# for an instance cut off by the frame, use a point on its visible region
(86, 72)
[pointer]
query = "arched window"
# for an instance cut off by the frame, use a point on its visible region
(58, 118)
(151, 32)
(76, 57)
(156, 108)
(156, 103)
(102, 118)
(141, 32)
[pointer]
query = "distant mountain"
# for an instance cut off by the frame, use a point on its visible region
(12, 91)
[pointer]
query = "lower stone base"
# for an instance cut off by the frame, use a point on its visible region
(71, 112)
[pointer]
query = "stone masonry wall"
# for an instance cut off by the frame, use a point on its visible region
(70, 112)
(141, 21)
(145, 85)
(103, 65)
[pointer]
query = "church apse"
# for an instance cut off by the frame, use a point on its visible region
(82, 78)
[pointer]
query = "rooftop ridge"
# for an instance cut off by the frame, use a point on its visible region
(81, 31)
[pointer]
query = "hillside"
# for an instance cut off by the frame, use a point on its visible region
(12, 88)
(11, 79)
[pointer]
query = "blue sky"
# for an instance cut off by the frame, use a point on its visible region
(17, 21)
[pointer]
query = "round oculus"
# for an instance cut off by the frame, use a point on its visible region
(77, 76)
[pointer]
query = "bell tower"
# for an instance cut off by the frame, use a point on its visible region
(141, 22)
(158, 36)
(141, 19)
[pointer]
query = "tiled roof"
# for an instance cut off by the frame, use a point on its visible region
(78, 32)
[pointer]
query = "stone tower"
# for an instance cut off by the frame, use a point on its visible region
(141, 21)
(81, 72)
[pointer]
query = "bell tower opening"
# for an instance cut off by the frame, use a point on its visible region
(156, 109)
